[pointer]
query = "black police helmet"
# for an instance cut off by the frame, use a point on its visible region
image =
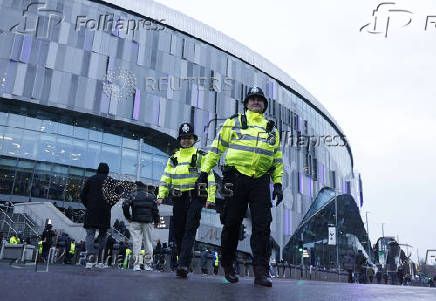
(256, 91)
(186, 129)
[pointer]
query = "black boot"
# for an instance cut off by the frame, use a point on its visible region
(229, 273)
(261, 276)
(182, 272)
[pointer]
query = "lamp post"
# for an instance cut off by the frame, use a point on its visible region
(384, 243)
(367, 233)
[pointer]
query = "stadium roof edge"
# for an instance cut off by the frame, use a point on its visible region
(184, 23)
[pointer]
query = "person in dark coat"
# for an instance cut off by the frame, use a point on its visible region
(379, 273)
(349, 264)
(361, 266)
(47, 240)
(109, 252)
(98, 211)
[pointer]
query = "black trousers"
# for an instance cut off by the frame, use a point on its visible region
(186, 215)
(256, 194)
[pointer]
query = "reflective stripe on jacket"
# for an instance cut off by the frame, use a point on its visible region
(182, 176)
(252, 151)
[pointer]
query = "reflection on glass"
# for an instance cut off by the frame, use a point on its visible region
(7, 179)
(41, 184)
(159, 164)
(146, 166)
(29, 145)
(73, 188)
(57, 183)
(112, 156)
(78, 153)
(63, 150)
(111, 139)
(93, 156)
(23, 183)
(129, 162)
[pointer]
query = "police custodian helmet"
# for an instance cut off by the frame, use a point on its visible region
(186, 129)
(256, 91)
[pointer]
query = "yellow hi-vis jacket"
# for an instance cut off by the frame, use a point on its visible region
(182, 176)
(215, 258)
(72, 248)
(252, 151)
(14, 240)
(40, 247)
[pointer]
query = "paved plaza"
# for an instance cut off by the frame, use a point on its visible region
(75, 283)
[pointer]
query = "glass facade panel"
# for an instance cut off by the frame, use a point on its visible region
(146, 166)
(159, 164)
(93, 155)
(112, 139)
(78, 153)
(7, 175)
(129, 162)
(29, 145)
(112, 156)
(95, 135)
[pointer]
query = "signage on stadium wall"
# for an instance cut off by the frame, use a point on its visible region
(332, 235)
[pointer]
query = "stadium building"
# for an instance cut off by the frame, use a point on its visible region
(84, 82)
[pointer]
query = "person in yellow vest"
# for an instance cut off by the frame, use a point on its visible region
(253, 159)
(14, 240)
(127, 258)
(70, 251)
(180, 177)
(40, 247)
(215, 262)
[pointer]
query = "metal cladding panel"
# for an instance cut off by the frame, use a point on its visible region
(176, 19)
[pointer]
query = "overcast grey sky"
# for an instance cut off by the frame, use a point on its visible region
(380, 90)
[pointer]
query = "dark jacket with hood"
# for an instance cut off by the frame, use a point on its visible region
(98, 210)
(144, 207)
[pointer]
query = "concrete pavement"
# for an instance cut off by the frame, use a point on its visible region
(64, 282)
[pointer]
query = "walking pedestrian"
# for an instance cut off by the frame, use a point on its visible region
(98, 213)
(144, 215)
(180, 176)
(47, 240)
(253, 159)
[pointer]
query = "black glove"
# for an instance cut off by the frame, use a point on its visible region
(202, 180)
(278, 192)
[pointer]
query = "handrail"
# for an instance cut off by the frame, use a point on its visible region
(6, 215)
(12, 223)
(9, 225)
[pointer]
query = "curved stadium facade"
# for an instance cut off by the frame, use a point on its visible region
(89, 81)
